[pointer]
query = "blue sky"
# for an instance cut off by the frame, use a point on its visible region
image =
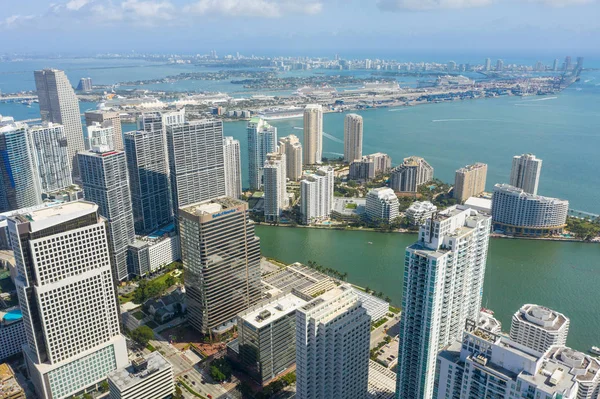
(302, 26)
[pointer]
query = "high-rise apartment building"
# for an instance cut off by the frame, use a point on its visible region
(291, 147)
(100, 134)
(332, 346)
(370, 166)
(221, 259)
(148, 179)
(382, 205)
(233, 167)
(539, 328)
(316, 195)
(262, 140)
(149, 377)
(68, 298)
(353, 137)
(488, 64)
(313, 134)
(419, 211)
(525, 172)
(499, 66)
(158, 120)
(107, 118)
(85, 84)
(470, 181)
(275, 195)
(19, 180)
(196, 163)
(51, 158)
(443, 283)
(412, 173)
(59, 104)
(105, 182)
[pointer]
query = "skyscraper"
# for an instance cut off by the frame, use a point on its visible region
(316, 195)
(275, 186)
(568, 63)
(412, 173)
(525, 172)
(470, 181)
(221, 259)
(196, 163)
(332, 346)
(353, 137)
(443, 282)
(104, 118)
(59, 104)
(105, 182)
(149, 121)
(555, 65)
(539, 328)
(148, 179)
(313, 134)
(19, 180)
(262, 140)
(499, 65)
(291, 147)
(382, 205)
(85, 84)
(233, 167)
(488, 64)
(100, 134)
(67, 297)
(49, 147)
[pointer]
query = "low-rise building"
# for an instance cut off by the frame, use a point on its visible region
(376, 308)
(418, 212)
(382, 205)
(348, 209)
(148, 378)
(154, 251)
(12, 332)
(483, 205)
(9, 386)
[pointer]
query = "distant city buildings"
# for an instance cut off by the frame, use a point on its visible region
(105, 119)
(443, 283)
(221, 259)
(316, 195)
(369, 167)
(262, 140)
(332, 346)
(470, 181)
(353, 137)
(85, 84)
(291, 147)
(412, 173)
(100, 135)
(275, 196)
(59, 104)
(382, 205)
(519, 213)
(313, 134)
(51, 158)
(149, 377)
(106, 183)
(419, 211)
(488, 64)
(68, 299)
(539, 328)
(499, 66)
(233, 167)
(525, 172)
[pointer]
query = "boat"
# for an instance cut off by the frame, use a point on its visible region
(369, 242)
(595, 350)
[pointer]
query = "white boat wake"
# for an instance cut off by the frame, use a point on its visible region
(298, 128)
(539, 99)
(397, 109)
(466, 120)
(333, 138)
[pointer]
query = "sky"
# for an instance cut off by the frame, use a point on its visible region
(308, 27)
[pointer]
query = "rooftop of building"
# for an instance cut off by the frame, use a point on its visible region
(274, 309)
(474, 166)
(422, 206)
(480, 203)
(299, 277)
(48, 216)
(9, 386)
(507, 188)
(542, 317)
(140, 369)
(329, 296)
(349, 206)
(213, 206)
(10, 315)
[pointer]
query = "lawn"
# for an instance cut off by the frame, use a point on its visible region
(139, 315)
(351, 205)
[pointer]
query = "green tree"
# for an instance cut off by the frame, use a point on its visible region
(104, 386)
(142, 335)
(216, 374)
(178, 393)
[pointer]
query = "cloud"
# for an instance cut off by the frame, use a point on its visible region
(254, 8)
(563, 3)
(148, 8)
(15, 20)
(75, 5)
(419, 5)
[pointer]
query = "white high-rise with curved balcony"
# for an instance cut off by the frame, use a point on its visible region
(539, 328)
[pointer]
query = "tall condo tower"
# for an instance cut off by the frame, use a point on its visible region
(275, 186)
(470, 181)
(233, 167)
(221, 259)
(196, 164)
(291, 147)
(67, 297)
(525, 172)
(408, 176)
(332, 346)
(148, 179)
(49, 147)
(100, 134)
(316, 195)
(443, 282)
(59, 104)
(107, 118)
(105, 182)
(353, 137)
(262, 140)
(19, 180)
(313, 134)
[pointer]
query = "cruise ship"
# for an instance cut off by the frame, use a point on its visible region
(281, 113)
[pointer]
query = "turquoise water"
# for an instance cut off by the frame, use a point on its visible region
(13, 315)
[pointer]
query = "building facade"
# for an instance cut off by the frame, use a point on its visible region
(105, 119)
(470, 181)
(49, 147)
(516, 212)
(412, 173)
(262, 140)
(525, 172)
(196, 163)
(148, 180)
(313, 134)
(316, 195)
(443, 283)
(332, 346)
(275, 194)
(149, 377)
(353, 137)
(233, 167)
(291, 147)
(59, 104)
(539, 328)
(382, 205)
(68, 298)
(105, 182)
(100, 134)
(12, 333)
(149, 254)
(418, 212)
(370, 166)
(221, 259)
